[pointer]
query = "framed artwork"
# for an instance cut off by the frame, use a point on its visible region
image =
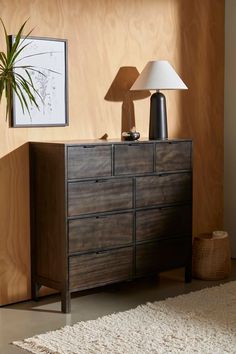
(48, 58)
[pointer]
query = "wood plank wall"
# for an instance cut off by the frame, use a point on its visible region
(103, 36)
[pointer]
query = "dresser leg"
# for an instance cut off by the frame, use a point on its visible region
(65, 301)
(188, 273)
(35, 291)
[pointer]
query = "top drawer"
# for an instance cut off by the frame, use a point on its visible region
(89, 161)
(133, 158)
(172, 156)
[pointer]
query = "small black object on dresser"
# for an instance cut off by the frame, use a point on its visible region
(104, 212)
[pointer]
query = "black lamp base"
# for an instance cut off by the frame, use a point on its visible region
(158, 117)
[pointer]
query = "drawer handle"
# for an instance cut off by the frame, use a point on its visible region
(89, 146)
(100, 181)
(101, 252)
(166, 208)
(167, 174)
(101, 217)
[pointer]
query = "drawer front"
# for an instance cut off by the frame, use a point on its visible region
(162, 255)
(89, 161)
(94, 269)
(172, 156)
(163, 189)
(133, 158)
(99, 196)
(156, 223)
(100, 232)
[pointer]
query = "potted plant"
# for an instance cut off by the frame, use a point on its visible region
(10, 78)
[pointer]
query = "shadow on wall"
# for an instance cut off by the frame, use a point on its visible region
(14, 226)
(119, 91)
(201, 111)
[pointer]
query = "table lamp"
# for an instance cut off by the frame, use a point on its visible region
(158, 75)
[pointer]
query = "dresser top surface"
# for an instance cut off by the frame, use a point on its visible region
(108, 141)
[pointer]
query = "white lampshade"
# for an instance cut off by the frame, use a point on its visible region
(158, 75)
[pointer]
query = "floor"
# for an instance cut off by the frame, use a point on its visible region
(29, 318)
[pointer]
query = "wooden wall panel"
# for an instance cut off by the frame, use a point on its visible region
(230, 124)
(103, 36)
(14, 226)
(202, 108)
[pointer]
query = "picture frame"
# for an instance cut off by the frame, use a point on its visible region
(49, 57)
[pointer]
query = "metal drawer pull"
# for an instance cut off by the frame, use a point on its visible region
(102, 252)
(166, 208)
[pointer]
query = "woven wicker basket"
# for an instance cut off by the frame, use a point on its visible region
(211, 256)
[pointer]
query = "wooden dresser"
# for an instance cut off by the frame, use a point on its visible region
(105, 212)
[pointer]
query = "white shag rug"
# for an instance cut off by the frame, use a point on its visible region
(200, 322)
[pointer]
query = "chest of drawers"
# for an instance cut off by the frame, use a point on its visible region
(104, 212)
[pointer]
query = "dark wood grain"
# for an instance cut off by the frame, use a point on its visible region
(48, 224)
(163, 189)
(89, 161)
(156, 223)
(108, 224)
(173, 156)
(162, 255)
(133, 158)
(99, 196)
(96, 269)
(100, 232)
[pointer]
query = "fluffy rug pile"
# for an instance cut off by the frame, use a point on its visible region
(200, 322)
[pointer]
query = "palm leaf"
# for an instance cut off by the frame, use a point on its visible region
(32, 85)
(30, 67)
(1, 89)
(34, 55)
(25, 104)
(17, 53)
(18, 90)
(29, 83)
(8, 95)
(14, 87)
(28, 92)
(6, 37)
(23, 38)
(16, 42)
(3, 58)
(26, 86)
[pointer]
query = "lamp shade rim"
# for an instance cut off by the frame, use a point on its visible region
(160, 88)
(158, 75)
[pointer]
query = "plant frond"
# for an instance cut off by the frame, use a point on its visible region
(17, 79)
(8, 95)
(3, 58)
(23, 38)
(17, 53)
(14, 87)
(6, 37)
(26, 88)
(18, 36)
(33, 55)
(25, 103)
(31, 68)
